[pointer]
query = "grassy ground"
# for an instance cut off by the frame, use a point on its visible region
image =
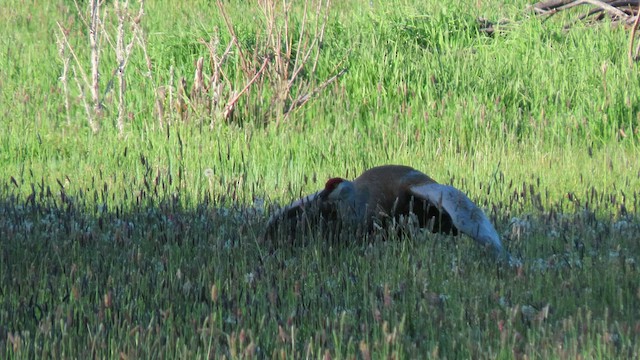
(145, 242)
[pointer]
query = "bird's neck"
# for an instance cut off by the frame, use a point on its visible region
(354, 206)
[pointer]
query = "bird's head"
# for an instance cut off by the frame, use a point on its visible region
(337, 189)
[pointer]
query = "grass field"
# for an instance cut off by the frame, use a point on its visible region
(135, 231)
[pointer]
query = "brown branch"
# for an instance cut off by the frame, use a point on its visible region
(232, 102)
(94, 28)
(303, 99)
(633, 56)
(545, 7)
(606, 7)
(618, 10)
(244, 63)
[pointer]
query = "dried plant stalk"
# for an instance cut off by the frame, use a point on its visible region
(92, 123)
(121, 58)
(64, 77)
(94, 29)
(633, 55)
(160, 98)
(98, 36)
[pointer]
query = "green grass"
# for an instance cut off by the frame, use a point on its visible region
(147, 243)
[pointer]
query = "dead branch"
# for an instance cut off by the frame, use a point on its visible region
(602, 5)
(246, 65)
(626, 12)
(232, 102)
(633, 56)
(303, 99)
(94, 34)
(617, 9)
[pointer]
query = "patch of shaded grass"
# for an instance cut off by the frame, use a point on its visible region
(167, 280)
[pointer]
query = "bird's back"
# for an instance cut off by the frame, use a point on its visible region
(388, 186)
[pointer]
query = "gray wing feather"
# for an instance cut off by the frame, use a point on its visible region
(465, 215)
(298, 205)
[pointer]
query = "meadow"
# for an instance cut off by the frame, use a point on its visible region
(132, 204)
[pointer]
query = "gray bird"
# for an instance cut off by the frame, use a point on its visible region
(392, 192)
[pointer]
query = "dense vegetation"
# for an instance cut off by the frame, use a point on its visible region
(135, 230)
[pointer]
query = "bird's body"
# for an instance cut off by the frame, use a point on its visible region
(384, 192)
(388, 192)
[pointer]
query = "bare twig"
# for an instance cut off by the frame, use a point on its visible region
(197, 89)
(315, 44)
(171, 84)
(617, 9)
(231, 104)
(218, 80)
(94, 34)
(182, 99)
(100, 39)
(320, 37)
(160, 97)
(308, 96)
(215, 86)
(139, 34)
(289, 62)
(92, 123)
(637, 52)
(81, 14)
(544, 7)
(64, 79)
(244, 63)
(608, 8)
(85, 79)
(95, 28)
(90, 114)
(279, 58)
(121, 57)
(633, 56)
(302, 43)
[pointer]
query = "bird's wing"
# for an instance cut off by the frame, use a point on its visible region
(465, 215)
(292, 210)
(294, 207)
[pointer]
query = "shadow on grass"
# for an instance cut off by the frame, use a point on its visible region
(161, 279)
